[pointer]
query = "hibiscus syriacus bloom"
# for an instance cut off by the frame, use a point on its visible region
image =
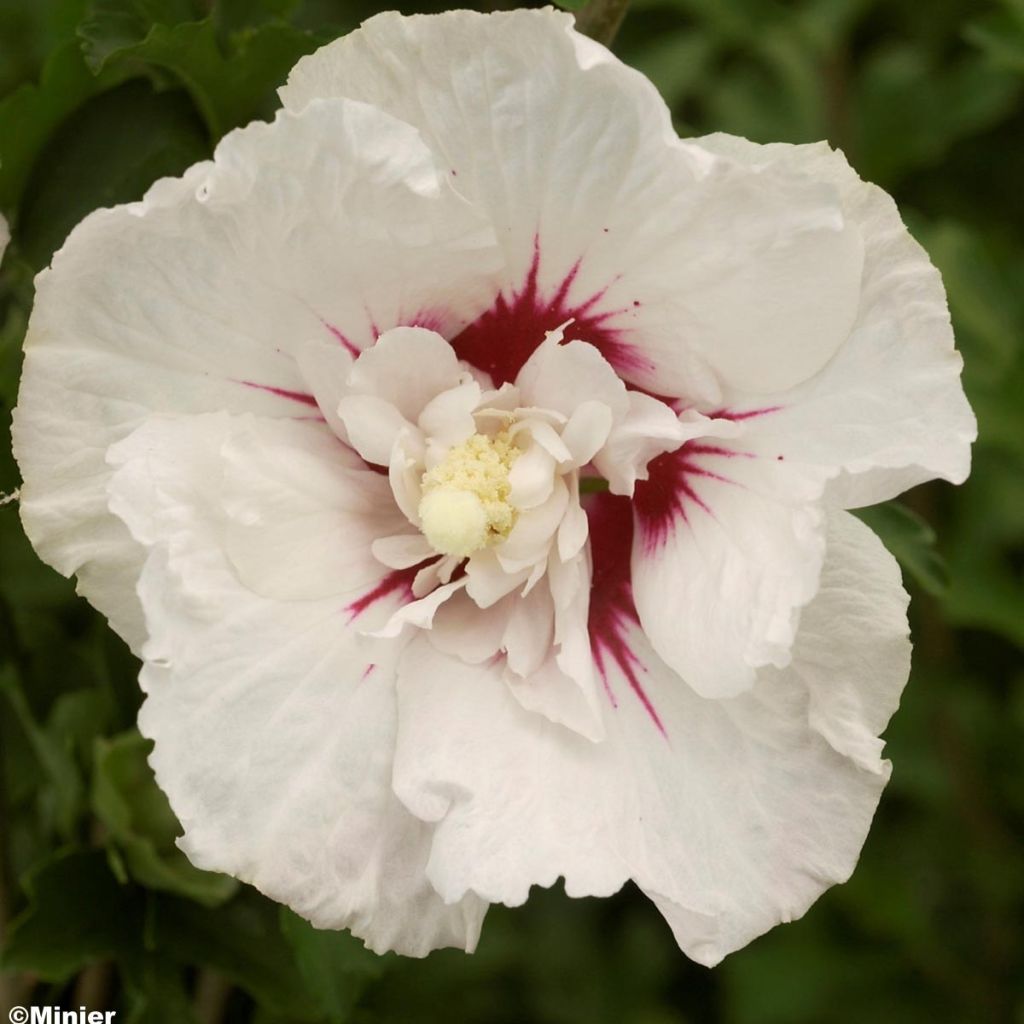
(467, 458)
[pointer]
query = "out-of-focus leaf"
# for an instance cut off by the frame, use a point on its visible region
(677, 63)
(986, 295)
(911, 106)
(776, 96)
(335, 966)
(985, 283)
(155, 991)
(232, 15)
(867, 977)
(29, 31)
(115, 25)
(829, 23)
(77, 914)
(30, 115)
(1001, 37)
(142, 826)
(241, 940)
(572, 5)
(62, 798)
(985, 280)
(230, 84)
(77, 718)
(86, 166)
(16, 294)
(987, 586)
(911, 541)
(30, 585)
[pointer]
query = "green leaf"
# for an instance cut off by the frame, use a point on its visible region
(30, 586)
(29, 32)
(142, 826)
(232, 15)
(1001, 37)
(773, 94)
(335, 965)
(155, 991)
(62, 797)
(911, 107)
(30, 115)
(230, 84)
(677, 63)
(911, 541)
(985, 283)
(77, 914)
(86, 165)
(572, 5)
(986, 294)
(241, 940)
(115, 25)
(987, 588)
(77, 717)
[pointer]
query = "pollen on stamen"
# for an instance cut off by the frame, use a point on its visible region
(465, 504)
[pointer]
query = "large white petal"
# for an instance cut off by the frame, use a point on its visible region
(408, 367)
(680, 266)
(324, 366)
(733, 815)
(540, 637)
(728, 549)
(274, 721)
(300, 521)
(335, 223)
(513, 793)
(889, 409)
(813, 801)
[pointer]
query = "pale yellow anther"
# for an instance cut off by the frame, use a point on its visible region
(465, 502)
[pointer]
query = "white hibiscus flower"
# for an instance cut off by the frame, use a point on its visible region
(467, 459)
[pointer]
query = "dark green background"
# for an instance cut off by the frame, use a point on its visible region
(96, 905)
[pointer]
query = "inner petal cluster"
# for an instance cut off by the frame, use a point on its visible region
(488, 479)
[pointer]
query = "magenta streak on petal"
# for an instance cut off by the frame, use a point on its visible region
(429, 320)
(292, 396)
(746, 414)
(368, 671)
(612, 611)
(697, 448)
(374, 329)
(668, 491)
(352, 350)
(398, 581)
(501, 340)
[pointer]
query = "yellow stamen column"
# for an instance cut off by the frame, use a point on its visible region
(465, 504)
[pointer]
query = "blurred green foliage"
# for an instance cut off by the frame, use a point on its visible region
(99, 908)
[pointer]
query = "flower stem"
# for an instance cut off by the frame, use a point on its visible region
(93, 985)
(601, 19)
(213, 991)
